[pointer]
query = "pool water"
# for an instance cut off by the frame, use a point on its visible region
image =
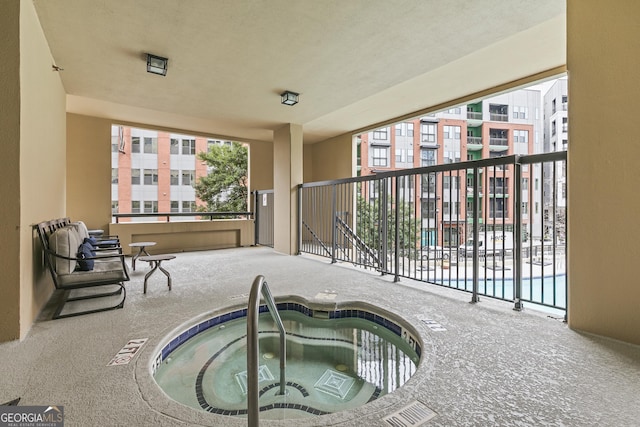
(332, 365)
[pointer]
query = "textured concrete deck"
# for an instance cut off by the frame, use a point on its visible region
(491, 366)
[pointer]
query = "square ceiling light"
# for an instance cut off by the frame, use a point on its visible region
(157, 64)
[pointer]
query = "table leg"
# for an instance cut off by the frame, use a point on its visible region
(166, 273)
(155, 265)
(141, 251)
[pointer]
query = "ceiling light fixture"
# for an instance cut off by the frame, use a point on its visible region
(289, 98)
(157, 64)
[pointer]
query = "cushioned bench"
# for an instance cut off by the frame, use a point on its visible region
(76, 260)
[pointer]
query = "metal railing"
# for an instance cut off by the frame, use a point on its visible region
(258, 288)
(510, 247)
(168, 215)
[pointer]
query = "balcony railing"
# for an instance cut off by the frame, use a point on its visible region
(477, 140)
(498, 117)
(167, 216)
(474, 115)
(503, 142)
(499, 257)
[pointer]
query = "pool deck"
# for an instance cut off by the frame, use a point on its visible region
(485, 365)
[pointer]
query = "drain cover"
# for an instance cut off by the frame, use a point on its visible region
(414, 414)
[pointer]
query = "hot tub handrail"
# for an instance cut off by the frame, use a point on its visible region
(260, 287)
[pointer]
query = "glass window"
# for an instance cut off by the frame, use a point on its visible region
(135, 144)
(175, 206)
(151, 207)
(188, 177)
(175, 177)
(188, 146)
(451, 132)
(151, 145)
(428, 132)
(151, 177)
(135, 206)
(135, 176)
(427, 157)
(174, 146)
(380, 156)
(188, 206)
(114, 206)
(114, 175)
(380, 133)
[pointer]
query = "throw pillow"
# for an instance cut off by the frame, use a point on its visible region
(85, 251)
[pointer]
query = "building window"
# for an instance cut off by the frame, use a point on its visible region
(404, 129)
(188, 206)
(565, 125)
(553, 106)
(135, 144)
(497, 208)
(380, 156)
(175, 206)
(520, 112)
(451, 132)
(381, 134)
(135, 206)
(151, 207)
(188, 177)
(174, 146)
(135, 176)
(498, 185)
(428, 208)
(448, 181)
(521, 136)
(429, 183)
(175, 177)
(114, 144)
(114, 175)
(151, 177)
(428, 132)
(410, 156)
(499, 112)
(427, 157)
(151, 145)
(114, 206)
(188, 146)
(525, 183)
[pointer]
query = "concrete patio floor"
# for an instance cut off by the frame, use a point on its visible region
(491, 366)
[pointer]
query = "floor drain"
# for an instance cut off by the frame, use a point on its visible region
(414, 414)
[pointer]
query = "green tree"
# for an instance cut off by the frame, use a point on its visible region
(224, 189)
(369, 225)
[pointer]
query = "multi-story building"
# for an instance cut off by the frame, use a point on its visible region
(502, 125)
(153, 171)
(556, 138)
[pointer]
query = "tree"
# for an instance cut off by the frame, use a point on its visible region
(224, 188)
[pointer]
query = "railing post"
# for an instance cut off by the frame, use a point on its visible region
(476, 234)
(396, 237)
(299, 252)
(517, 229)
(260, 287)
(334, 230)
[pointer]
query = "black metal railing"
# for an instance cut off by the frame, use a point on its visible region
(167, 216)
(510, 247)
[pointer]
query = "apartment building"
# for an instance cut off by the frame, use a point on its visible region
(556, 138)
(502, 125)
(153, 171)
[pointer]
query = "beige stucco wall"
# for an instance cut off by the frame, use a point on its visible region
(9, 168)
(89, 170)
(260, 166)
(332, 158)
(34, 167)
(604, 231)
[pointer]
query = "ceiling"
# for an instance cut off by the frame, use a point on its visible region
(354, 62)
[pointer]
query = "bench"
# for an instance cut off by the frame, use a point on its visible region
(71, 269)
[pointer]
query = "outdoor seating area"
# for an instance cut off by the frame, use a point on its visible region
(78, 261)
(486, 365)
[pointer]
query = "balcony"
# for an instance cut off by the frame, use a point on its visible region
(498, 144)
(498, 117)
(474, 143)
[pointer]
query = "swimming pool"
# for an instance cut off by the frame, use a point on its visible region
(337, 359)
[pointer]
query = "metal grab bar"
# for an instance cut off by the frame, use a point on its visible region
(260, 287)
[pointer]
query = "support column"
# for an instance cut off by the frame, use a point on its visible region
(287, 175)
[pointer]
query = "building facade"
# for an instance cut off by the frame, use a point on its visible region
(155, 172)
(503, 125)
